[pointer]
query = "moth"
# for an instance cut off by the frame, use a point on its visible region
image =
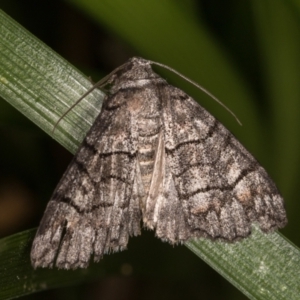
(153, 158)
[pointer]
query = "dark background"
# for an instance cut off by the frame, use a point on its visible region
(31, 163)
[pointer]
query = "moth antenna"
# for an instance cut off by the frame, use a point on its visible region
(198, 86)
(99, 84)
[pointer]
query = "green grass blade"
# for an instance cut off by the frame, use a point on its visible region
(42, 86)
(17, 277)
(264, 266)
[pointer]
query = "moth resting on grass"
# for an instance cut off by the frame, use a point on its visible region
(153, 156)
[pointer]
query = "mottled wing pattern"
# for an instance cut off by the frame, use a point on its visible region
(157, 155)
(212, 186)
(95, 207)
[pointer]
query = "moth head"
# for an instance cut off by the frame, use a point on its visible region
(135, 72)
